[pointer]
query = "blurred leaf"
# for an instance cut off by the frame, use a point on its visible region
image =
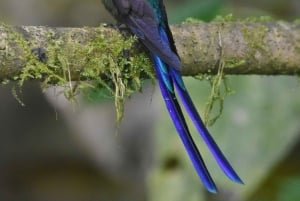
(201, 9)
(290, 190)
(258, 127)
(96, 96)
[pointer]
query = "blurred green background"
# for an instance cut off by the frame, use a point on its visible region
(54, 150)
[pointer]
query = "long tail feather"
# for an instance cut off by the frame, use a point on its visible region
(213, 147)
(167, 90)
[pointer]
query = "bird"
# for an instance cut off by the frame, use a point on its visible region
(147, 20)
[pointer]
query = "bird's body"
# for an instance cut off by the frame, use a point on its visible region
(147, 19)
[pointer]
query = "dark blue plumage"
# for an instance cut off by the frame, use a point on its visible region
(147, 19)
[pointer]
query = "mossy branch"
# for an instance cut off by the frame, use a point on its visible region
(265, 48)
(102, 58)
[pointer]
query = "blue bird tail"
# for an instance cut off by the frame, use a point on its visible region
(168, 77)
(167, 89)
(212, 145)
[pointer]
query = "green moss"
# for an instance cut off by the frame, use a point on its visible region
(233, 63)
(220, 89)
(255, 39)
(102, 63)
(231, 18)
(259, 19)
(191, 20)
(122, 75)
(225, 18)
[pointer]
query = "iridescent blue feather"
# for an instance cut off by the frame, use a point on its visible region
(147, 19)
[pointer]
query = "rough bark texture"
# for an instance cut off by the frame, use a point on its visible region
(270, 48)
(244, 48)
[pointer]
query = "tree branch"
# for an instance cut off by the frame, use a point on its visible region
(271, 48)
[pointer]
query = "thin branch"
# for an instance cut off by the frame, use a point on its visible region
(271, 48)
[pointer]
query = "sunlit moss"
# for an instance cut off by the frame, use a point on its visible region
(191, 20)
(233, 63)
(225, 18)
(101, 63)
(255, 39)
(230, 18)
(220, 89)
